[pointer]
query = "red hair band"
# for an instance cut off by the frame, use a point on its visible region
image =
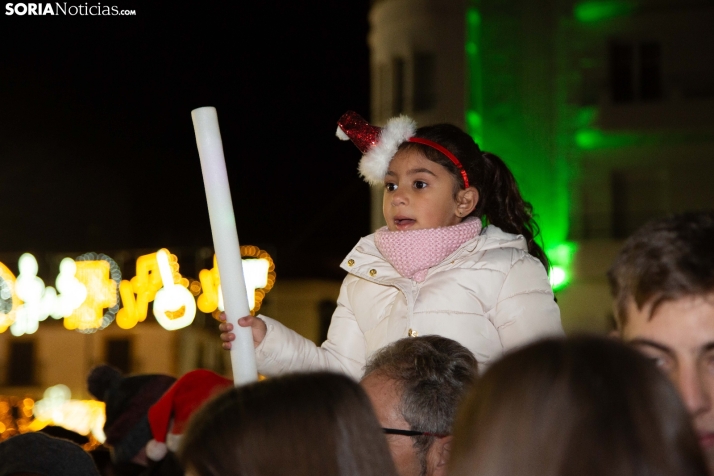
(446, 152)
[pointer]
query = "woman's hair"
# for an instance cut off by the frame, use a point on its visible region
(500, 201)
(581, 406)
(300, 424)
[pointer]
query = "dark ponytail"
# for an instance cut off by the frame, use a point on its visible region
(500, 201)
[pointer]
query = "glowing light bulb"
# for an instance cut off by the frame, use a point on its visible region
(255, 272)
(72, 291)
(80, 416)
(143, 288)
(38, 301)
(558, 277)
(9, 302)
(210, 284)
(101, 294)
(258, 273)
(144, 285)
(174, 306)
(94, 267)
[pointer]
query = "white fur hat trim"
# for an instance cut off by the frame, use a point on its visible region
(374, 164)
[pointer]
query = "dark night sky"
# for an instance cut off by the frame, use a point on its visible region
(97, 145)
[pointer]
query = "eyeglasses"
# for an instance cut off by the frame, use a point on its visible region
(394, 431)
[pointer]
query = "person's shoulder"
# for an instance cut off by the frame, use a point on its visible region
(494, 238)
(364, 252)
(497, 250)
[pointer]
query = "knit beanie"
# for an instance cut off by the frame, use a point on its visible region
(45, 455)
(127, 400)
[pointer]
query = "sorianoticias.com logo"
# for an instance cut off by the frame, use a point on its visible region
(62, 9)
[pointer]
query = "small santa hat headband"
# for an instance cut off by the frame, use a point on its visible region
(379, 144)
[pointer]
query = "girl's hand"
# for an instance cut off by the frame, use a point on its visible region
(257, 326)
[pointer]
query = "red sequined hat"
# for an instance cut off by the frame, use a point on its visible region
(379, 144)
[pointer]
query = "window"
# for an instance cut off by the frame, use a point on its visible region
(424, 82)
(118, 354)
(650, 71)
(621, 73)
(397, 86)
(21, 368)
(635, 71)
(638, 196)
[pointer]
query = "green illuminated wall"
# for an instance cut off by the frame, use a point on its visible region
(597, 10)
(474, 107)
(512, 107)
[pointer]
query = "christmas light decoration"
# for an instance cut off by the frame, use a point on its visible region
(101, 294)
(9, 302)
(174, 306)
(259, 274)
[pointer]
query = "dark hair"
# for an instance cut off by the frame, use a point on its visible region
(433, 373)
(299, 424)
(580, 406)
(665, 260)
(39, 453)
(500, 201)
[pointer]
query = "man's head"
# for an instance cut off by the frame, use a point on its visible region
(415, 384)
(663, 285)
(127, 402)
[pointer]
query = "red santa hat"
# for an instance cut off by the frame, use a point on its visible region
(379, 144)
(170, 414)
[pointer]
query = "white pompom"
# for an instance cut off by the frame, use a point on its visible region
(341, 134)
(155, 450)
(173, 441)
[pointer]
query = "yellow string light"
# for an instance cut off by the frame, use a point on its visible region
(8, 297)
(210, 300)
(141, 290)
(101, 294)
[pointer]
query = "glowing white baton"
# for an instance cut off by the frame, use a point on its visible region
(225, 240)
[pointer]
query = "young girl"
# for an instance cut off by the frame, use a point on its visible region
(432, 269)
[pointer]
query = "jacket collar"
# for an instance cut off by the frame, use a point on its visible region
(365, 260)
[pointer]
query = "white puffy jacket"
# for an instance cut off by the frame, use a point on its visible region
(490, 295)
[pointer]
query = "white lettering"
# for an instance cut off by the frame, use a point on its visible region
(64, 9)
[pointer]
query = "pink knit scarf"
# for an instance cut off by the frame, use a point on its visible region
(413, 252)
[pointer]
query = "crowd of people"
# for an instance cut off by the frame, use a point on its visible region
(445, 355)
